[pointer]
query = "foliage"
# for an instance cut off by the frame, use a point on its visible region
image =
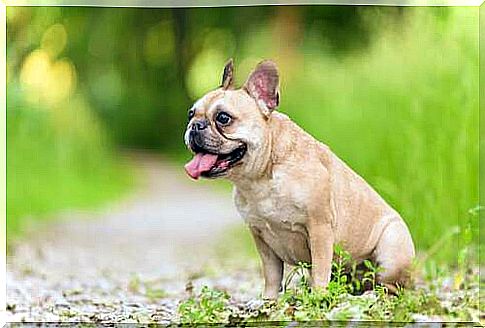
(210, 306)
(147, 288)
(402, 114)
(405, 121)
(56, 161)
(59, 155)
(342, 300)
(392, 91)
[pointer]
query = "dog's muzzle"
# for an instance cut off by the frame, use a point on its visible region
(196, 135)
(199, 125)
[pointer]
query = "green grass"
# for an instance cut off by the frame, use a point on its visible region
(57, 159)
(210, 306)
(403, 114)
(345, 299)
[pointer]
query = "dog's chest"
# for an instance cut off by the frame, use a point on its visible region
(279, 217)
(270, 203)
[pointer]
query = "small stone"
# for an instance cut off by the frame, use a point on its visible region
(255, 304)
(71, 292)
(62, 304)
(11, 307)
(135, 305)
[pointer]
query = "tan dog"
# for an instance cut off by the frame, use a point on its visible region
(298, 198)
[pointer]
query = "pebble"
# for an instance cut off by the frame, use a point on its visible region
(60, 276)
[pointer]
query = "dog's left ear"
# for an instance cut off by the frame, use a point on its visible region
(228, 75)
(263, 86)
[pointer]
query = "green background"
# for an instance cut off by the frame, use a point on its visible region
(393, 92)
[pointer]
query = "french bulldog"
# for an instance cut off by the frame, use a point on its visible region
(297, 197)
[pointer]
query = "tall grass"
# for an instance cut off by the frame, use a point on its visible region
(58, 155)
(57, 159)
(404, 115)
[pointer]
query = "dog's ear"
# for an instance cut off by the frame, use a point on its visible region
(263, 85)
(228, 75)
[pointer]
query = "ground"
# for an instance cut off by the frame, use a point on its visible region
(138, 260)
(129, 262)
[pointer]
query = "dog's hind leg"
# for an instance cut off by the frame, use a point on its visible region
(394, 254)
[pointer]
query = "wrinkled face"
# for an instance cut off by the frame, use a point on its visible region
(225, 131)
(228, 129)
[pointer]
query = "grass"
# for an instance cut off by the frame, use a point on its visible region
(147, 288)
(403, 114)
(209, 306)
(57, 159)
(344, 299)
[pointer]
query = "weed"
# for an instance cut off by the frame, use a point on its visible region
(155, 293)
(209, 306)
(146, 288)
(345, 298)
(134, 284)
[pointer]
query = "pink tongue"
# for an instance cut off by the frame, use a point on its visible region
(199, 164)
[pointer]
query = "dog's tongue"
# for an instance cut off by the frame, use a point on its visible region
(200, 163)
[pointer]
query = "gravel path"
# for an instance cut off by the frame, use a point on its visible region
(132, 261)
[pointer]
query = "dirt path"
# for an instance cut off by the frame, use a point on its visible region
(130, 262)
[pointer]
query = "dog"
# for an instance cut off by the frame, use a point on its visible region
(297, 197)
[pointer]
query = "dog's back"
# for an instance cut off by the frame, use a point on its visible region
(360, 214)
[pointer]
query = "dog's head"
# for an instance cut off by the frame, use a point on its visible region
(228, 128)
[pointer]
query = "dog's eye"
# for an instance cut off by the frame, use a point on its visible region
(191, 113)
(223, 118)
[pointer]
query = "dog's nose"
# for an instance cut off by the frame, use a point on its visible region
(199, 125)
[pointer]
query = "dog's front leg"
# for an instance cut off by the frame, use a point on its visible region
(321, 248)
(320, 231)
(272, 267)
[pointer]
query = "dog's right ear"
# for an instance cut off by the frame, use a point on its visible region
(263, 86)
(228, 75)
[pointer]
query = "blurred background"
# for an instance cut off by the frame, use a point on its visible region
(393, 91)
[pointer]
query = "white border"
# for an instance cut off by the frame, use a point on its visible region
(3, 171)
(154, 4)
(232, 3)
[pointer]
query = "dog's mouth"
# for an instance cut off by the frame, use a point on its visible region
(209, 165)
